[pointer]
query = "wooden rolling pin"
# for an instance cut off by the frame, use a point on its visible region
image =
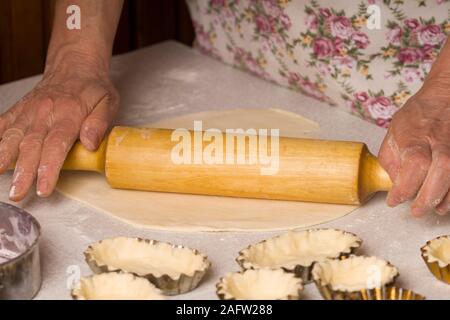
(309, 170)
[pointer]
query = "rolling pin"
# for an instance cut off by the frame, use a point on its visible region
(322, 171)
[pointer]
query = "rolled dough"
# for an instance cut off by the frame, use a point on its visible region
(183, 212)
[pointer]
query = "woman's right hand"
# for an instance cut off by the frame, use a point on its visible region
(75, 99)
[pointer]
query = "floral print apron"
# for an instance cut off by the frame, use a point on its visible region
(326, 49)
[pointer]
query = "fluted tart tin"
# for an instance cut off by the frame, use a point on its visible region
(259, 284)
(298, 251)
(436, 255)
(383, 293)
(115, 286)
(355, 278)
(174, 269)
(396, 293)
(20, 269)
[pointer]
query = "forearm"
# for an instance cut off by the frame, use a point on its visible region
(437, 83)
(441, 67)
(94, 41)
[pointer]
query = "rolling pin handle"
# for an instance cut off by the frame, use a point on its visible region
(79, 158)
(372, 176)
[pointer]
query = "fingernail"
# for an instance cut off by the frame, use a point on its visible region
(391, 201)
(12, 192)
(92, 138)
(41, 170)
(42, 188)
(17, 174)
(418, 212)
(16, 191)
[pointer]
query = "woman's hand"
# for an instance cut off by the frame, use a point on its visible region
(416, 150)
(75, 99)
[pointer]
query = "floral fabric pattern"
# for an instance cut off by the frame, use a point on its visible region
(325, 49)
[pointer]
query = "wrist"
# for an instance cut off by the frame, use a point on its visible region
(436, 85)
(70, 58)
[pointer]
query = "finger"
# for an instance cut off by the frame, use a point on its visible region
(54, 151)
(436, 184)
(30, 150)
(389, 156)
(97, 123)
(415, 162)
(27, 162)
(10, 116)
(9, 145)
(444, 207)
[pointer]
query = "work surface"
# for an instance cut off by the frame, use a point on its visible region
(172, 79)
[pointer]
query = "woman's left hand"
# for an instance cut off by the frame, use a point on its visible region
(416, 150)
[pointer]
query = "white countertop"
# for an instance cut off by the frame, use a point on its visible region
(170, 78)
